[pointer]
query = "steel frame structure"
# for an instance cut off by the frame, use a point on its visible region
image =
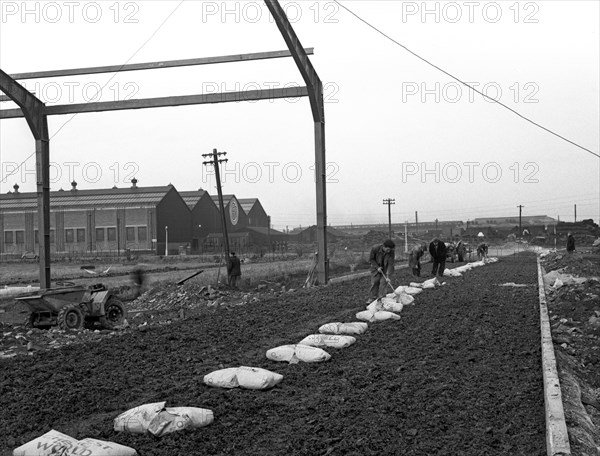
(36, 114)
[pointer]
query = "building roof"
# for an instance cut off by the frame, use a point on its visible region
(330, 230)
(248, 203)
(138, 196)
(226, 199)
(192, 197)
(264, 230)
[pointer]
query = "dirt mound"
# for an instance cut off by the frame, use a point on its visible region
(572, 263)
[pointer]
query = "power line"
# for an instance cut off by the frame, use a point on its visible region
(464, 83)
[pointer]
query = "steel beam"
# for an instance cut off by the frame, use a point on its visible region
(156, 65)
(183, 100)
(315, 94)
(34, 112)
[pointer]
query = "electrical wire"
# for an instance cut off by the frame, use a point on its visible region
(464, 83)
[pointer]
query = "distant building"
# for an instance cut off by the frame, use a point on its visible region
(97, 221)
(205, 216)
(310, 234)
(255, 212)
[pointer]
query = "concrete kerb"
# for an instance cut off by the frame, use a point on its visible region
(557, 437)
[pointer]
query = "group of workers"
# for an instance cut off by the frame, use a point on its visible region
(382, 259)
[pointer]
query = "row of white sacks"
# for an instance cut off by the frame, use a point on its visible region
(158, 420)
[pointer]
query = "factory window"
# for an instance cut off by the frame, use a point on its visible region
(51, 236)
(80, 234)
(99, 234)
(111, 234)
(130, 233)
(8, 237)
(36, 238)
(142, 233)
(20, 237)
(69, 236)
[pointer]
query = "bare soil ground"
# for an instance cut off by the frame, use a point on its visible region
(458, 374)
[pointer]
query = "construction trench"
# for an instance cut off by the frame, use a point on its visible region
(461, 372)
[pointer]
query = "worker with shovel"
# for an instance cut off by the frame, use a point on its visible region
(381, 259)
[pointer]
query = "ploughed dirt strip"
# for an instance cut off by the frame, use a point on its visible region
(459, 374)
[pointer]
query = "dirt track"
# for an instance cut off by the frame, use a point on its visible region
(459, 374)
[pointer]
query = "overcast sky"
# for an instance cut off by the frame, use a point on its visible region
(396, 127)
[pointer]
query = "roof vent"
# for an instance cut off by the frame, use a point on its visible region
(134, 182)
(115, 187)
(16, 187)
(74, 186)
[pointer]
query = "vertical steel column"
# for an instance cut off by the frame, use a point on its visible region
(315, 94)
(35, 115)
(42, 162)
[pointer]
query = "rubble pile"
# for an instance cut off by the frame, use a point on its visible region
(574, 263)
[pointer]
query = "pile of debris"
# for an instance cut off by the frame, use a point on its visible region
(570, 263)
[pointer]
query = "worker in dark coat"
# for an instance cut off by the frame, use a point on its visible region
(234, 270)
(461, 250)
(414, 259)
(437, 250)
(382, 259)
(570, 243)
(482, 251)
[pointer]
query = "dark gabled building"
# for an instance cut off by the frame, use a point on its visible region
(255, 212)
(235, 217)
(97, 221)
(205, 216)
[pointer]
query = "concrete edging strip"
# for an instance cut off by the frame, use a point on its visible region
(557, 437)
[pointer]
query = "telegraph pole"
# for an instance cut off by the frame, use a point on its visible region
(215, 163)
(417, 222)
(520, 231)
(575, 214)
(389, 203)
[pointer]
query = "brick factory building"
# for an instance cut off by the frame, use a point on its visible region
(98, 222)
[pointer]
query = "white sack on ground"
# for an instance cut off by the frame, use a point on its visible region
(357, 327)
(375, 306)
(412, 290)
(380, 315)
(257, 378)
(295, 353)
(403, 298)
(328, 340)
(244, 377)
(54, 443)
(393, 306)
(159, 420)
(452, 273)
(223, 378)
